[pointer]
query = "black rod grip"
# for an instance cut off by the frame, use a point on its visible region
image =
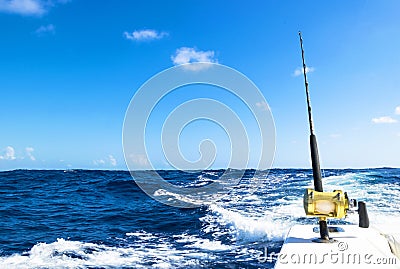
(315, 163)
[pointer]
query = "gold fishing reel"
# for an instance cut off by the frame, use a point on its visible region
(326, 204)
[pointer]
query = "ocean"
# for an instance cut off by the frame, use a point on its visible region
(102, 219)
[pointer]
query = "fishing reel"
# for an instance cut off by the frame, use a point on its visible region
(334, 204)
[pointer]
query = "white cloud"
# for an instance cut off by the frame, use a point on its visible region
(262, 105)
(45, 29)
(29, 154)
(397, 110)
(112, 160)
(139, 159)
(29, 7)
(9, 154)
(385, 119)
(22, 7)
(99, 162)
(187, 55)
(145, 35)
(299, 71)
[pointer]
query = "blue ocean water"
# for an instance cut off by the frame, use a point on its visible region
(101, 219)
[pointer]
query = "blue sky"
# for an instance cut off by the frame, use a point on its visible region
(68, 70)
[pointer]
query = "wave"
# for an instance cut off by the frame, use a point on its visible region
(147, 250)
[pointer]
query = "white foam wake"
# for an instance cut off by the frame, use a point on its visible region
(75, 254)
(146, 250)
(273, 225)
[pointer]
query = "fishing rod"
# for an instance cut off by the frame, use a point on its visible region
(323, 227)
